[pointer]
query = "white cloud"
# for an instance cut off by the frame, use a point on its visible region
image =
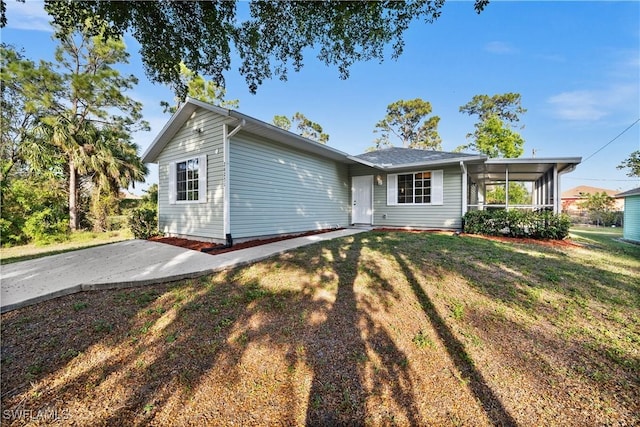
(577, 105)
(500, 48)
(594, 104)
(28, 16)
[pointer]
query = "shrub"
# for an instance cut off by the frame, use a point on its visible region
(143, 222)
(518, 223)
(116, 222)
(44, 227)
(22, 198)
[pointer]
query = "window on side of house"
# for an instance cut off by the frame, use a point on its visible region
(188, 180)
(415, 188)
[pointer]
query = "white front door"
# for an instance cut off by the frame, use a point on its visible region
(361, 199)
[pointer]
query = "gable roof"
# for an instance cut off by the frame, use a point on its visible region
(632, 192)
(249, 124)
(389, 159)
(581, 191)
(401, 158)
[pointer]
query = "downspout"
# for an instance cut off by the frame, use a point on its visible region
(465, 188)
(227, 183)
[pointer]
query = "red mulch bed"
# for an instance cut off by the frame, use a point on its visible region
(566, 243)
(198, 246)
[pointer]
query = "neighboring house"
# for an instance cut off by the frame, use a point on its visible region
(631, 223)
(573, 198)
(224, 174)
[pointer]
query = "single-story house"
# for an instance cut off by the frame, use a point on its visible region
(223, 174)
(631, 222)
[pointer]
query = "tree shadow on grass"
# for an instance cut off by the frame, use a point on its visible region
(492, 405)
(186, 352)
(173, 347)
(341, 346)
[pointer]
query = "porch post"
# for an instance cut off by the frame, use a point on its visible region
(556, 190)
(506, 187)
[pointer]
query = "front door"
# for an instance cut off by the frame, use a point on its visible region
(361, 199)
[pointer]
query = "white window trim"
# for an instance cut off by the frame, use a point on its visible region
(202, 181)
(437, 188)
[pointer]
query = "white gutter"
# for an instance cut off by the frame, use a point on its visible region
(364, 162)
(226, 137)
(431, 163)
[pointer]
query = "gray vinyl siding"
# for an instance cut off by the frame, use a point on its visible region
(276, 189)
(197, 220)
(447, 215)
(631, 229)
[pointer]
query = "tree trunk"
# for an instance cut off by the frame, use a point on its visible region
(73, 196)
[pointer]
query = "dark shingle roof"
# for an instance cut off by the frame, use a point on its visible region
(632, 192)
(396, 156)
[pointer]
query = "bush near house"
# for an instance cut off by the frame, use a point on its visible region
(143, 220)
(517, 223)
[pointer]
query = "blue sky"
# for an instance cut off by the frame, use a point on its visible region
(576, 65)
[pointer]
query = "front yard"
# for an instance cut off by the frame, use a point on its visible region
(381, 328)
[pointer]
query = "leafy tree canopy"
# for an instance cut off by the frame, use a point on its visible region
(506, 107)
(272, 39)
(598, 206)
(497, 115)
(306, 128)
(518, 194)
(494, 139)
(632, 163)
(408, 121)
(201, 89)
(283, 122)
(73, 118)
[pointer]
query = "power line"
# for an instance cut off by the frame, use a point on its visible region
(599, 179)
(618, 136)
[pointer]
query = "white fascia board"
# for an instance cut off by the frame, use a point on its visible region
(534, 160)
(364, 162)
(290, 138)
(442, 162)
(168, 131)
(274, 132)
(175, 123)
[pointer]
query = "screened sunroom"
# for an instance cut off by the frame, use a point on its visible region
(532, 183)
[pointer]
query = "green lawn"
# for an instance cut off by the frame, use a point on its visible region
(79, 240)
(380, 328)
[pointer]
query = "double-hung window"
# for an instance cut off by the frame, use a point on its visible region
(188, 180)
(415, 188)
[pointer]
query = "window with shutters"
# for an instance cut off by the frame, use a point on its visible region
(187, 180)
(415, 188)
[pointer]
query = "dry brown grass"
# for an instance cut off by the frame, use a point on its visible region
(376, 329)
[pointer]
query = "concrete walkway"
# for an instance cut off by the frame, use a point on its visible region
(127, 264)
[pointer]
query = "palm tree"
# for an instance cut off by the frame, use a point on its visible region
(75, 138)
(113, 164)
